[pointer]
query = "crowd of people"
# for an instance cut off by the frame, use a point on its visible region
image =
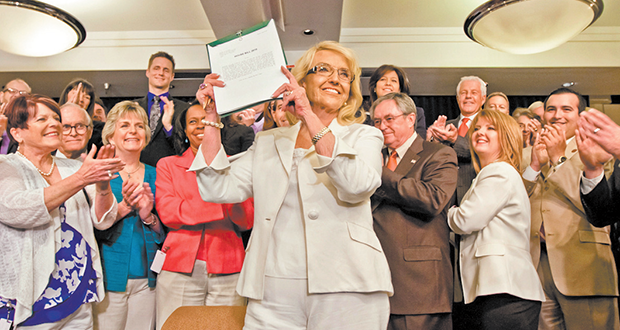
(359, 218)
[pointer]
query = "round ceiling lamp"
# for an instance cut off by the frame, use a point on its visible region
(33, 28)
(530, 26)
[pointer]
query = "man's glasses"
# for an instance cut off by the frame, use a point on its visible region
(79, 128)
(14, 91)
(389, 120)
(326, 70)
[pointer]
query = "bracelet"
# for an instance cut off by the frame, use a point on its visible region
(107, 192)
(320, 134)
(152, 222)
(210, 123)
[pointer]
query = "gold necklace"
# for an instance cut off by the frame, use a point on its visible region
(134, 171)
(42, 173)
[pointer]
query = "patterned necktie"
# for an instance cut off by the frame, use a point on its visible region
(392, 161)
(155, 114)
(463, 128)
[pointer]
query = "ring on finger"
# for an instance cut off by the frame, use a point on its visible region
(287, 93)
(109, 173)
(203, 86)
(596, 130)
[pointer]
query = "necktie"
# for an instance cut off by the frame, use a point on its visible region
(392, 161)
(155, 114)
(463, 128)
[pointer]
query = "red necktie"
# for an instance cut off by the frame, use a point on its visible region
(391, 165)
(463, 128)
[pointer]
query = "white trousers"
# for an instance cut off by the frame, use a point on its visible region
(133, 309)
(196, 289)
(287, 305)
(81, 319)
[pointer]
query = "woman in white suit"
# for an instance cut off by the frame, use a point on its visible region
(313, 260)
(500, 284)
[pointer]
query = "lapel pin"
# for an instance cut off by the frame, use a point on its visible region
(413, 161)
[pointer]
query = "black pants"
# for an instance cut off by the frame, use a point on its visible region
(499, 311)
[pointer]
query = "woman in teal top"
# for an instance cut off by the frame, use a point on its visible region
(129, 247)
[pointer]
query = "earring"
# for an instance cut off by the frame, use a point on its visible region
(186, 140)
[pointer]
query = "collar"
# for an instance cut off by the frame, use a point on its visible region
(400, 151)
(151, 95)
(471, 119)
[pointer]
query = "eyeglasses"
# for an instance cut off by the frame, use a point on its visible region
(14, 91)
(389, 120)
(326, 70)
(79, 128)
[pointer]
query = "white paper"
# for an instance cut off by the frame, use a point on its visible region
(250, 67)
(158, 261)
(5, 324)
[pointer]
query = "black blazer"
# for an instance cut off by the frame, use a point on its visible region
(466, 168)
(160, 145)
(602, 205)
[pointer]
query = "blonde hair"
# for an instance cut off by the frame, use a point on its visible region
(120, 110)
(510, 138)
(347, 114)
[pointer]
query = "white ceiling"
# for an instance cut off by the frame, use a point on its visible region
(426, 37)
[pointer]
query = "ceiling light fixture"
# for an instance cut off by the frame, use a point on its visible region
(530, 26)
(308, 32)
(33, 28)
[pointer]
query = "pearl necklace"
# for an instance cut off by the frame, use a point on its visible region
(42, 173)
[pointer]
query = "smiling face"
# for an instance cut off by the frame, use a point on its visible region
(327, 93)
(485, 141)
(194, 128)
(99, 113)
(160, 73)
(470, 97)
(84, 97)
(498, 103)
(43, 130)
(279, 115)
(389, 83)
(74, 141)
(396, 127)
(563, 109)
(523, 121)
(129, 134)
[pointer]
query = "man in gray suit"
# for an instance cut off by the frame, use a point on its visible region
(409, 211)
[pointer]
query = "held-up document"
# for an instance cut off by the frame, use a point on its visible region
(249, 64)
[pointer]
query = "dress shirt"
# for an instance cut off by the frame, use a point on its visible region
(4, 145)
(402, 149)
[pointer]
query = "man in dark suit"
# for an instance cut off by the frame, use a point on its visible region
(409, 210)
(471, 95)
(160, 107)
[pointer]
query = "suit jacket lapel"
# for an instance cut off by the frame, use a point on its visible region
(411, 157)
(284, 140)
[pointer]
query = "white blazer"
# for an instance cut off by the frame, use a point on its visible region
(494, 221)
(344, 254)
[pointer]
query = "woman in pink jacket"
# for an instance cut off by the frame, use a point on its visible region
(204, 251)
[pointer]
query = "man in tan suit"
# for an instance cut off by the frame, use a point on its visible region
(573, 258)
(409, 211)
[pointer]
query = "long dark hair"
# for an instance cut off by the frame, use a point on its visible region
(179, 138)
(403, 81)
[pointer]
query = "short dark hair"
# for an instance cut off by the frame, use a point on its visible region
(403, 81)
(24, 107)
(161, 54)
(563, 90)
(87, 87)
(179, 137)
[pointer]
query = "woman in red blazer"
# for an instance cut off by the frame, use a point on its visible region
(204, 251)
